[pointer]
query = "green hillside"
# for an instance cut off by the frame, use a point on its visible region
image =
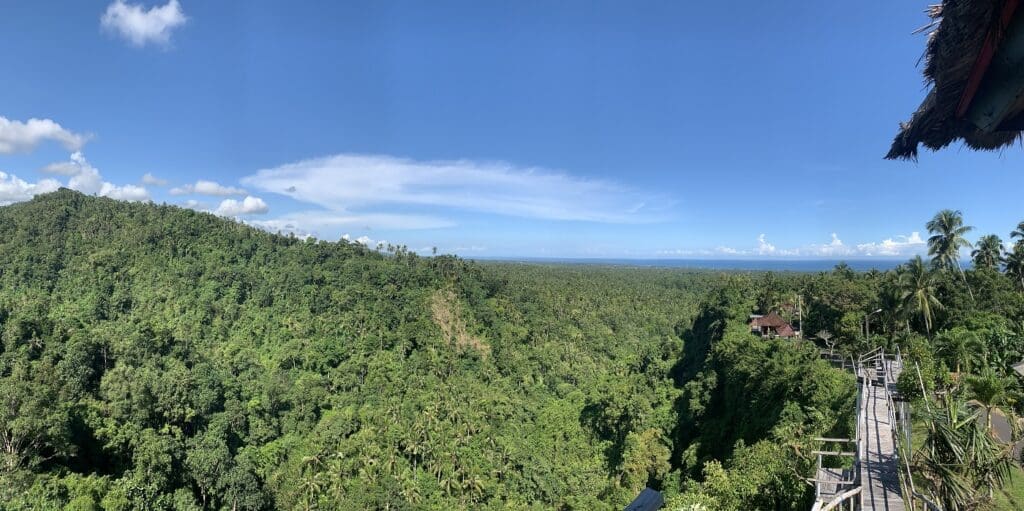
(153, 357)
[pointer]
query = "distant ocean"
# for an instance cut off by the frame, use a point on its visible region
(795, 265)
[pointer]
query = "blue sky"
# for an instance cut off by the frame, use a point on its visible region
(552, 129)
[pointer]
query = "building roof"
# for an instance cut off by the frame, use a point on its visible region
(771, 320)
(964, 37)
(785, 331)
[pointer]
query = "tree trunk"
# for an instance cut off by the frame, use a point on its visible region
(964, 277)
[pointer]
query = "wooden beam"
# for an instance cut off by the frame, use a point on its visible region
(834, 453)
(830, 481)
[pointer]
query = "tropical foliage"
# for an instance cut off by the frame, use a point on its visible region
(157, 358)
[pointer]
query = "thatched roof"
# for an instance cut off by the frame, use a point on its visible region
(959, 31)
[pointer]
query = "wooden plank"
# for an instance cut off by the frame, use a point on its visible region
(879, 471)
(826, 439)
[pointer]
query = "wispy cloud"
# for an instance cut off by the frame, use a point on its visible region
(150, 179)
(22, 137)
(142, 26)
(196, 205)
(353, 182)
(205, 187)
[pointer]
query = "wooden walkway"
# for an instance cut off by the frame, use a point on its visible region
(873, 482)
(880, 469)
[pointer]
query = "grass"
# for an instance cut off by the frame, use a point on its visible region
(1011, 497)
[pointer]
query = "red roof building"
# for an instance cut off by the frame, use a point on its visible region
(771, 325)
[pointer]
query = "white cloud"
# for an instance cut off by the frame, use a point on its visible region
(87, 179)
(890, 247)
(320, 223)
(142, 26)
(763, 247)
(365, 241)
(21, 137)
(62, 168)
(248, 206)
(125, 192)
(344, 182)
(280, 226)
(835, 248)
(895, 246)
(204, 187)
(150, 179)
(13, 189)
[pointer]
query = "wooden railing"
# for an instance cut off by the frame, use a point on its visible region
(900, 433)
(847, 496)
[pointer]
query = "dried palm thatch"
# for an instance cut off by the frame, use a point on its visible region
(957, 35)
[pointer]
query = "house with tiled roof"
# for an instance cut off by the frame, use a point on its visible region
(771, 325)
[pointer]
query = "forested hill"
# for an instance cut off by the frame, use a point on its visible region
(153, 357)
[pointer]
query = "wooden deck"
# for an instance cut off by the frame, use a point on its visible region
(879, 470)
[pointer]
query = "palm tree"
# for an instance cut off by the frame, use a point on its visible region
(1015, 263)
(890, 300)
(991, 390)
(989, 252)
(918, 294)
(960, 347)
(960, 460)
(948, 230)
(1018, 233)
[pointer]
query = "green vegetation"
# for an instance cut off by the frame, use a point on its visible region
(157, 358)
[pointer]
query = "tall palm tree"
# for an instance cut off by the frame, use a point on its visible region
(1018, 233)
(1015, 264)
(918, 293)
(947, 238)
(988, 252)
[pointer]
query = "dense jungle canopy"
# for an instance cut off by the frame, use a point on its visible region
(153, 357)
